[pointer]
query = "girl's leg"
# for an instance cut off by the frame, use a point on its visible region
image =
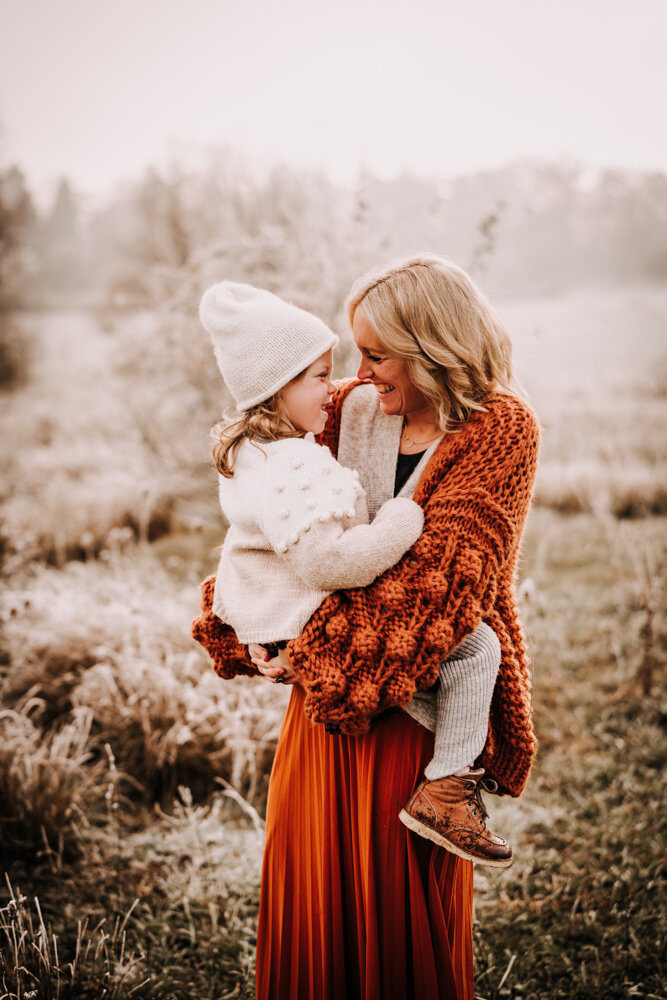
(464, 693)
(447, 807)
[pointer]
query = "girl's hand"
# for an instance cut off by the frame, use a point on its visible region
(278, 670)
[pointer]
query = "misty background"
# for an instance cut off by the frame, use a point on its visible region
(148, 149)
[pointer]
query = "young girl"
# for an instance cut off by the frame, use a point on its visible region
(299, 530)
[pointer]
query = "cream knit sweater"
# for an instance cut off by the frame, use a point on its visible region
(299, 530)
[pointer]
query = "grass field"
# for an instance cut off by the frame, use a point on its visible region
(133, 781)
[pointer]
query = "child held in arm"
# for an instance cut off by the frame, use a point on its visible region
(298, 530)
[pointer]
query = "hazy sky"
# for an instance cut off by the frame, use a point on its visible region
(98, 89)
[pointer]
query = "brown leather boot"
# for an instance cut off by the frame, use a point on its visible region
(450, 812)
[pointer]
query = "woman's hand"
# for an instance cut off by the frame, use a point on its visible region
(278, 670)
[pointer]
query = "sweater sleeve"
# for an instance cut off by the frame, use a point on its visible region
(230, 657)
(364, 651)
(331, 557)
(308, 502)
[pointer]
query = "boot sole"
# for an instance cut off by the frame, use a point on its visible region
(428, 834)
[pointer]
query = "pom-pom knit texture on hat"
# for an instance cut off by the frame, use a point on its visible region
(260, 342)
(367, 650)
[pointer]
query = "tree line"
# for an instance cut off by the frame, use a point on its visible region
(528, 228)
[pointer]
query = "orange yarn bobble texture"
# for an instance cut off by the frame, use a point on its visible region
(230, 658)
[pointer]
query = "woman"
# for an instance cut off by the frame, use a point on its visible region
(353, 905)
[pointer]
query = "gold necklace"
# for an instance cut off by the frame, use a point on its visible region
(411, 441)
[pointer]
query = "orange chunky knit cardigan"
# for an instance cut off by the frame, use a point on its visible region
(366, 650)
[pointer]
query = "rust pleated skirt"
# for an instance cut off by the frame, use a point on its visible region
(353, 905)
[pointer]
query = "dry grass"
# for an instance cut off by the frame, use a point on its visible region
(113, 724)
(34, 965)
(105, 647)
(582, 911)
(604, 452)
(594, 365)
(129, 772)
(167, 911)
(49, 785)
(603, 488)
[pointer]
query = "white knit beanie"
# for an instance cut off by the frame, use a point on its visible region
(261, 343)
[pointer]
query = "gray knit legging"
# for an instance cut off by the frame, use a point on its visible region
(463, 702)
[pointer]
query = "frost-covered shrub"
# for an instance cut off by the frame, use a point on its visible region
(112, 640)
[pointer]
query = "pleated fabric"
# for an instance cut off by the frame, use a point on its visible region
(353, 905)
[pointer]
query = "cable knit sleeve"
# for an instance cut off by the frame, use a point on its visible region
(364, 651)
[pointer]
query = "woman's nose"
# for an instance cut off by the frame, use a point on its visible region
(365, 371)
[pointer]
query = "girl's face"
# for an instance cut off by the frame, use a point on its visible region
(388, 374)
(306, 398)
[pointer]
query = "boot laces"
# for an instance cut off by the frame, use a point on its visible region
(475, 800)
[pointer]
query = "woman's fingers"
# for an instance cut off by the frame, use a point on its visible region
(288, 677)
(275, 673)
(270, 671)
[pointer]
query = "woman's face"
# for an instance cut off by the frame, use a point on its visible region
(306, 398)
(389, 375)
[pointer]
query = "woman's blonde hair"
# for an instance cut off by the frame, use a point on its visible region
(268, 420)
(428, 312)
